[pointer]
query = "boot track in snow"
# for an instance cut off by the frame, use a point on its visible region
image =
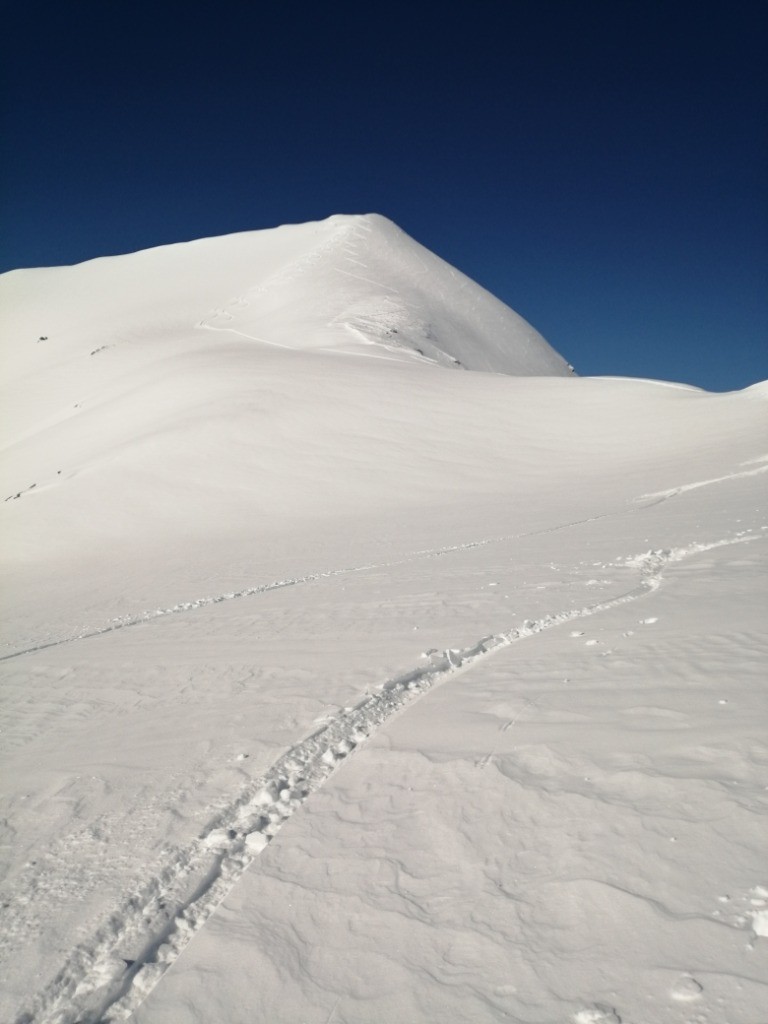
(648, 500)
(108, 977)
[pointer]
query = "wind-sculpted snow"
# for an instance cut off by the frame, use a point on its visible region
(108, 976)
(369, 288)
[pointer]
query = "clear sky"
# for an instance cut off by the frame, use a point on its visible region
(600, 166)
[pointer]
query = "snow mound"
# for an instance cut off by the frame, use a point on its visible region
(349, 283)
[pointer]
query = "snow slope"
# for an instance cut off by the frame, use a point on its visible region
(349, 283)
(444, 690)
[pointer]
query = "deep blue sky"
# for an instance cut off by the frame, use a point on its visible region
(601, 167)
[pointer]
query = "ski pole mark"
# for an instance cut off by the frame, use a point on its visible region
(106, 979)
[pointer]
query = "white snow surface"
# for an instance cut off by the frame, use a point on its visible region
(339, 686)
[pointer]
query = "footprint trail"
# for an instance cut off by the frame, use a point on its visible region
(106, 978)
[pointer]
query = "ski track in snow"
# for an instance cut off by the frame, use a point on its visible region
(126, 622)
(674, 491)
(200, 602)
(108, 977)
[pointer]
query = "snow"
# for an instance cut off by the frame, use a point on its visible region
(340, 684)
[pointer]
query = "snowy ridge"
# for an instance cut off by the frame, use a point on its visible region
(231, 318)
(106, 978)
(370, 289)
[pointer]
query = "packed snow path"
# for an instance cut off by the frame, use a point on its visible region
(107, 977)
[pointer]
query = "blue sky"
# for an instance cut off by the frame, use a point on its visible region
(601, 167)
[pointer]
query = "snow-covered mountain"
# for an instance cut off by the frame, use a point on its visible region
(255, 521)
(349, 283)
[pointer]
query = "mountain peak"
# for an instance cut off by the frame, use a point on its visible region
(352, 283)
